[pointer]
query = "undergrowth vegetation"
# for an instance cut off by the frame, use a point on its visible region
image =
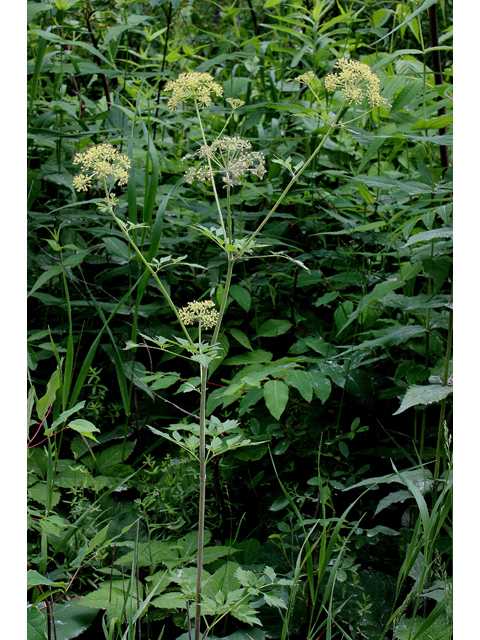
(240, 365)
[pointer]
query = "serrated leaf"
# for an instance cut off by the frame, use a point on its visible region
(426, 394)
(172, 600)
(270, 573)
(224, 580)
(274, 601)
(38, 492)
(246, 614)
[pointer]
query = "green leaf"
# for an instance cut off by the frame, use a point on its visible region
(439, 628)
(281, 447)
(118, 250)
(38, 492)
(35, 8)
(45, 401)
(393, 498)
(382, 529)
(341, 314)
(274, 601)
(257, 356)
(321, 385)
(275, 393)
(35, 624)
(34, 579)
(66, 414)
(273, 328)
(45, 277)
(379, 291)
(433, 123)
(171, 600)
(392, 336)
(326, 298)
(427, 236)
(112, 456)
(222, 353)
(427, 394)
(343, 449)
(53, 525)
(224, 580)
(241, 295)
(244, 613)
(299, 379)
(71, 620)
(241, 338)
(84, 427)
(364, 191)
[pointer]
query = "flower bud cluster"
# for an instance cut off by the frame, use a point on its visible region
(231, 157)
(235, 103)
(101, 161)
(356, 81)
(305, 78)
(192, 85)
(199, 311)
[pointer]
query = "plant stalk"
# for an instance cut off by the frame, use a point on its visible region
(444, 401)
(331, 126)
(143, 259)
(201, 501)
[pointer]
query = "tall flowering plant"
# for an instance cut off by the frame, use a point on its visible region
(229, 160)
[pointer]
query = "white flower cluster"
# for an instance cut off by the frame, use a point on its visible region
(229, 156)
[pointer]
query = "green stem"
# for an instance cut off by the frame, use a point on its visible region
(444, 401)
(331, 126)
(211, 175)
(201, 501)
(143, 259)
(228, 280)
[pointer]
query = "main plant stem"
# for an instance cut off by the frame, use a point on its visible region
(204, 370)
(201, 501)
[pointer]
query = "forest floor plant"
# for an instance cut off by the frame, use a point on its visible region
(231, 159)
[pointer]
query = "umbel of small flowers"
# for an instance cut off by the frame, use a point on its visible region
(202, 312)
(192, 85)
(356, 81)
(101, 161)
(305, 78)
(233, 158)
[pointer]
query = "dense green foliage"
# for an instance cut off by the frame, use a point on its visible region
(336, 347)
